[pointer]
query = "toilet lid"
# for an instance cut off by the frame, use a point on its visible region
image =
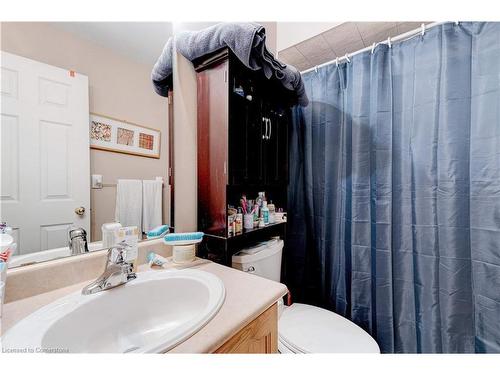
(310, 329)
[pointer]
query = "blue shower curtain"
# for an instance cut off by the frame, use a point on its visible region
(394, 212)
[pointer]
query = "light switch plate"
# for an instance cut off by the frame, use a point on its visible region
(97, 181)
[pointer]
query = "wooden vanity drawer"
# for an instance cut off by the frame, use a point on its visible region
(258, 337)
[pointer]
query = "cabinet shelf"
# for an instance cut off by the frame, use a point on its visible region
(249, 232)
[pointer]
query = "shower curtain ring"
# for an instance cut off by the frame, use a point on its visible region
(316, 69)
(423, 29)
(373, 47)
(337, 61)
(347, 57)
(389, 42)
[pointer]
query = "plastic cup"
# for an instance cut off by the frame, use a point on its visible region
(248, 221)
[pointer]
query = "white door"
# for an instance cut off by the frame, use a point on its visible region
(44, 144)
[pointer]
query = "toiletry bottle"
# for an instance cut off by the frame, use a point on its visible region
(265, 212)
(260, 199)
(239, 221)
(272, 212)
(230, 220)
(261, 222)
(256, 215)
(231, 217)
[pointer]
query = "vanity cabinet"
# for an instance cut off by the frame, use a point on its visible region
(258, 337)
(243, 121)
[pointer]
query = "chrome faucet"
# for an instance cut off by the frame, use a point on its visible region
(78, 241)
(117, 271)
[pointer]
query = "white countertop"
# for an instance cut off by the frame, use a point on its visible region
(247, 296)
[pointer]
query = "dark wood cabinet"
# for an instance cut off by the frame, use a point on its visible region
(246, 165)
(243, 120)
(258, 128)
(275, 150)
(212, 148)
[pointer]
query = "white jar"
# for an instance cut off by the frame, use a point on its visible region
(184, 254)
(109, 234)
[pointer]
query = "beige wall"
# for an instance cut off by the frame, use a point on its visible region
(185, 134)
(271, 36)
(119, 87)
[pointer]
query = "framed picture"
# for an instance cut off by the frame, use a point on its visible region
(109, 134)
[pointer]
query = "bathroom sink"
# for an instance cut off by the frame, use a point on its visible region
(150, 314)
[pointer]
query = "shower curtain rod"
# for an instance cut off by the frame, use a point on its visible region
(405, 36)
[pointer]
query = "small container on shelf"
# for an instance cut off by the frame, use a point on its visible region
(265, 212)
(238, 222)
(280, 217)
(248, 221)
(262, 224)
(230, 225)
(272, 212)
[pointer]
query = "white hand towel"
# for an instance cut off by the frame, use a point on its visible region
(151, 204)
(128, 209)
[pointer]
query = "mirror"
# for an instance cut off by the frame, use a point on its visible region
(84, 137)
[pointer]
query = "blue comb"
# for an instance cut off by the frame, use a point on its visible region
(157, 232)
(180, 239)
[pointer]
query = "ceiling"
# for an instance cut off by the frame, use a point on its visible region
(309, 44)
(138, 41)
(292, 33)
(345, 38)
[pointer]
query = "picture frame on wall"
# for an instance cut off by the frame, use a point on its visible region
(110, 134)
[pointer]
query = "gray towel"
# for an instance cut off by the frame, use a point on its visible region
(162, 71)
(248, 43)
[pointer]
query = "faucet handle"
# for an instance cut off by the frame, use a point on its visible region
(117, 253)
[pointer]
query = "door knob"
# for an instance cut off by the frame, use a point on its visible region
(80, 211)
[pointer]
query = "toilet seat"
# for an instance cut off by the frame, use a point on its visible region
(310, 329)
(283, 348)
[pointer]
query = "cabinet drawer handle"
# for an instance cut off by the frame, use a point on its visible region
(270, 128)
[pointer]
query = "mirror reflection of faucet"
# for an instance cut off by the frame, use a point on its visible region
(78, 241)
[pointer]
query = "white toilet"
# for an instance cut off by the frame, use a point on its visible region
(304, 328)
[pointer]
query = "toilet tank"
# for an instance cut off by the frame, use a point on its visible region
(263, 260)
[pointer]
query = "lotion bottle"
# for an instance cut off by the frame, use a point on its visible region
(265, 212)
